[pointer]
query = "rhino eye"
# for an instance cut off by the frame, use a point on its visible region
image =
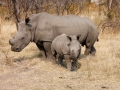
(68, 44)
(22, 38)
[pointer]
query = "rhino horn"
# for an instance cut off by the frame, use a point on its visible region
(11, 42)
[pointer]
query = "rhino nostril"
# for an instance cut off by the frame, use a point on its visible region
(73, 54)
(17, 49)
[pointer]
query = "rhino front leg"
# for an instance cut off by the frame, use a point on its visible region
(54, 54)
(42, 49)
(68, 62)
(60, 60)
(47, 46)
(74, 65)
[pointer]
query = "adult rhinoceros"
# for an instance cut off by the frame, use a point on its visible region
(43, 27)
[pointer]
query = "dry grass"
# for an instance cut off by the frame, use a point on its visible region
(26, 70)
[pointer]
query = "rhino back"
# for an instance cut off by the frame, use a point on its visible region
(72, 25)
(50, 26)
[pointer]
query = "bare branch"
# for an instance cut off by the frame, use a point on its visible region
(16, 10)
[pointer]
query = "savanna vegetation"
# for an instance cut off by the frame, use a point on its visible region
(27, 71)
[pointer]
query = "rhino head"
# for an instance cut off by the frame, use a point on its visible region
(74, 47)
(22, 38)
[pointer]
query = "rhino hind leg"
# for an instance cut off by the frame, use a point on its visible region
(93, 50)
(87, 51)
(68, 62)
(90, 50)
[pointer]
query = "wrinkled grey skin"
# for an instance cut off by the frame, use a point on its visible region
(68, 48)
(43, 27)
(21, 39)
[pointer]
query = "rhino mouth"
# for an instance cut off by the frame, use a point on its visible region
(18, 49)
(73, 58)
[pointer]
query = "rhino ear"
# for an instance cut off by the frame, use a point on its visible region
(78, 37)
(27, 20)
(69, 38)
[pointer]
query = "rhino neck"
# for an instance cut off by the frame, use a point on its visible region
(33, 35)
(33, 31)
(33, 22)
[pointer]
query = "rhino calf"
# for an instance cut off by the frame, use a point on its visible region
(68, 48)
